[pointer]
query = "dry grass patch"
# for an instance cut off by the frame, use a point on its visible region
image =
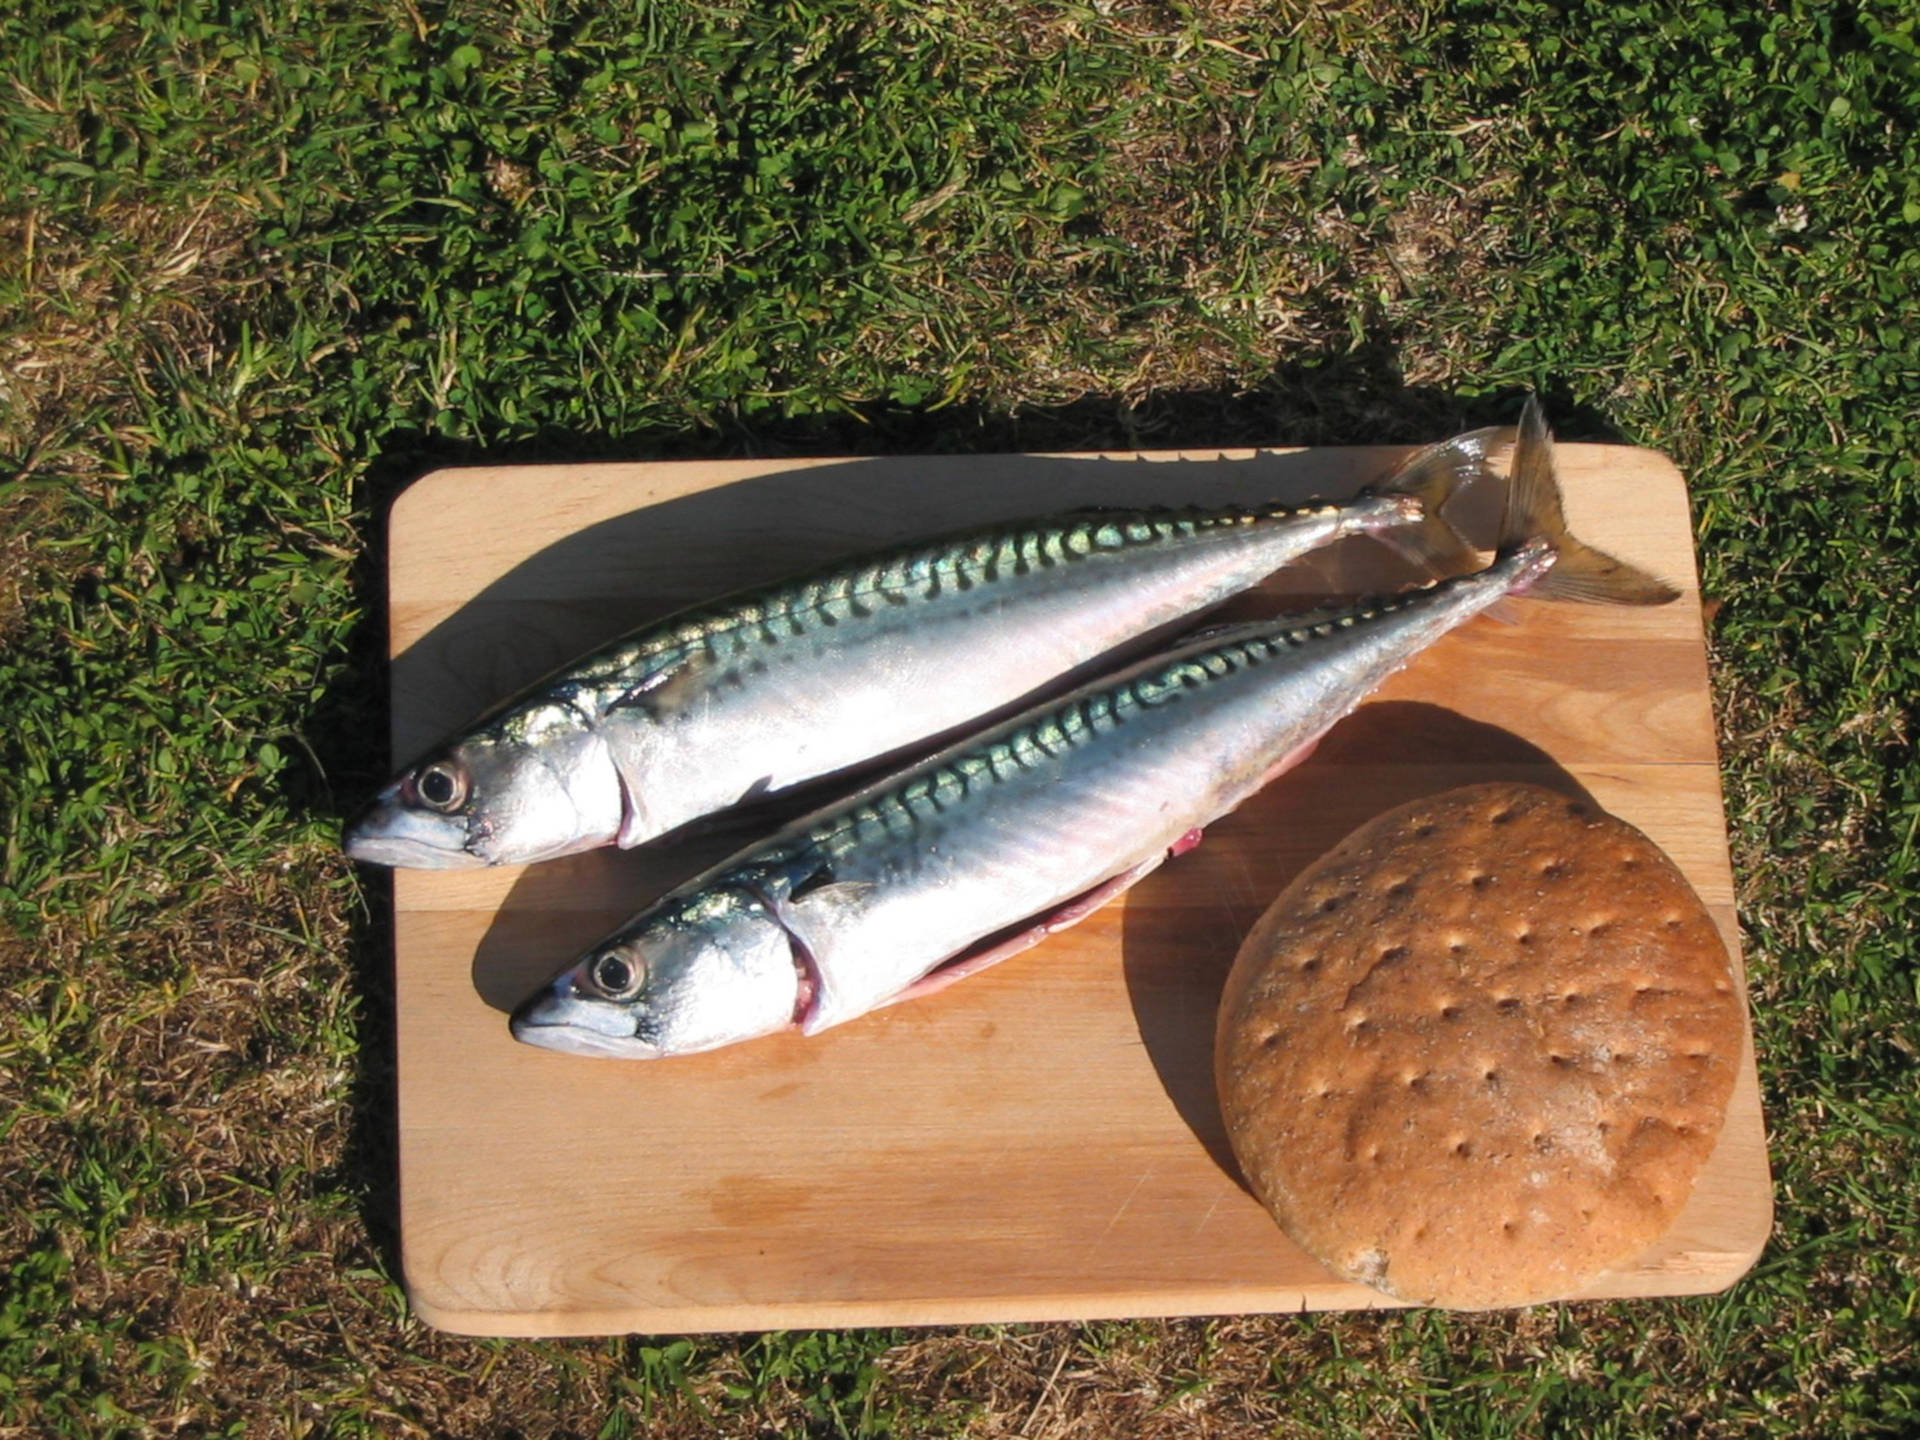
(99, 308)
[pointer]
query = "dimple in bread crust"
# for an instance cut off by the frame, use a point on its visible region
(1477, 1054)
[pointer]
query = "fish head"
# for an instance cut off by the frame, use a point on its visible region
(693, 973)
(531, 788)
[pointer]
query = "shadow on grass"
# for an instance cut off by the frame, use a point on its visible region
(370, 1168)
(511, 633)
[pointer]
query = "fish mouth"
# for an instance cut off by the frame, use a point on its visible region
(561, 1018)
(389, 832)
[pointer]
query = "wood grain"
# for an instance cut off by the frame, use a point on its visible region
(1042, 1141)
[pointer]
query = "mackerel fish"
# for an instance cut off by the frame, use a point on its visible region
(775, 687)
(1003, 838)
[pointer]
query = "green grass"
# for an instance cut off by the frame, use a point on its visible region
(261, 264)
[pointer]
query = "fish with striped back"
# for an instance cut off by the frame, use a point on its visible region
(997, 841)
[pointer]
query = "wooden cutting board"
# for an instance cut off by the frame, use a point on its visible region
(1039, 1142)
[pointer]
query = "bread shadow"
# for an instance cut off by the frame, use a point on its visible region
(1176, 955)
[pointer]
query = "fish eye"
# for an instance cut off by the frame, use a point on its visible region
(441, 785)
(614, 975)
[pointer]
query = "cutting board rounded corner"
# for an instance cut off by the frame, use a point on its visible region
(439, 1309)
(1656, 460)
(430, 1307)
(432, 487)
(430, 1314)
(1746, 1241)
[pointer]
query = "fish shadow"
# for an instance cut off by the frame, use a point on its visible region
(1176, 955)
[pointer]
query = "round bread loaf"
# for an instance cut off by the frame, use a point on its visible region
(1477, 1054)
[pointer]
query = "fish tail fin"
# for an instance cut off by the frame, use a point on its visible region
(1533, 512)
(1433, 476)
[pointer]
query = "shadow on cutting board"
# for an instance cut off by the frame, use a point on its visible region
(1177, 955)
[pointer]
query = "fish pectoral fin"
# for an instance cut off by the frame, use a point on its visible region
(832, 897)
(812, 913)
(651, 692)
(1010, 943)
(811, 916)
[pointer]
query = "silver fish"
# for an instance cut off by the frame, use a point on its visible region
(1003, 838)
(779, 686)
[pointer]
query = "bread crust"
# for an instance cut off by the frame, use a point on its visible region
(1477, 1054)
